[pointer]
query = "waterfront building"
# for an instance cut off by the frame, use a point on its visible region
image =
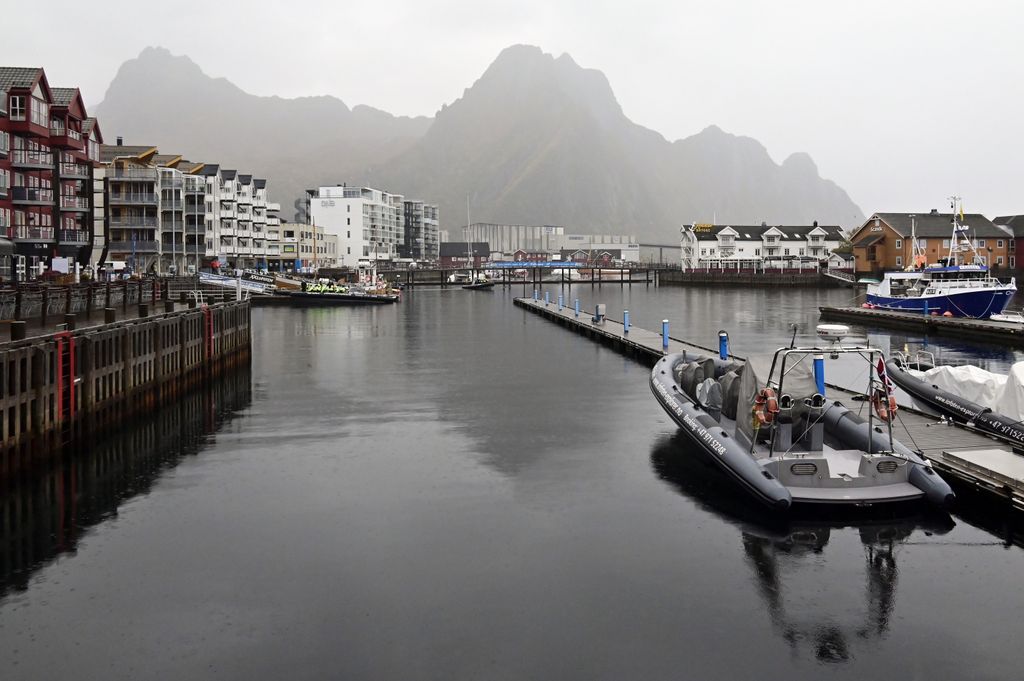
(420, 241)
(455, 254)
(1013, 225)
(706, 246)
(166, 214)
(369, 224)
(304, 248)
(504, 240)
(884, 242)
(48, 154)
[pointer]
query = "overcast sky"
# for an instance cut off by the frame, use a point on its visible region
(902, 103)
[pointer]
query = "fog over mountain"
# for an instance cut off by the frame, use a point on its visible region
(536, 139)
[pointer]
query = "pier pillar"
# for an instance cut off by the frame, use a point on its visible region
(18, 330)
(536, 294)
(577, 306)
(625, 321)
(723, 345)
(168, 305)
(559, 302)
(69, 322)
(664, 334)
(547, 298)
(109, 315)
(143, 310)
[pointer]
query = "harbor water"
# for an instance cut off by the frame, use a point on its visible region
(453, 488)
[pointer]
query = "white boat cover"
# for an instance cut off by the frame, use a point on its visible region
(1002, 394)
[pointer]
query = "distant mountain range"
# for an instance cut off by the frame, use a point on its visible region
(536, 140)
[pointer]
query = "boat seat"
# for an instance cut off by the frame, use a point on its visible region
(709, 396)
(692, 374)
(730, 383)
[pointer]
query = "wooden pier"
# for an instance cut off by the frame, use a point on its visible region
(57, 387)
(961, 454)
(1006, 333)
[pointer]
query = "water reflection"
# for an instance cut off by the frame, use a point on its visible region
(822, 608)
(43, 514)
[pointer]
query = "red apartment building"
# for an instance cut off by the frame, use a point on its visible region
(49, 148)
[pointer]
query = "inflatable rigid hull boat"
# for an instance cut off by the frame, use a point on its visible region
(920, 381)
(767, 423)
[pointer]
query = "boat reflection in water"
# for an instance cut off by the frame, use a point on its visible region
(44, 513)
(806, 596)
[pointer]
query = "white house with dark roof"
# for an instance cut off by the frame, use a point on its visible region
(706, 246)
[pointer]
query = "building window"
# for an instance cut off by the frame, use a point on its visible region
(899, 261)
(999, 261)
(17, 110)
(981, 243)
(1013, 261)
(785, 251)
(899, 244)
(945, 243)
(999, 243)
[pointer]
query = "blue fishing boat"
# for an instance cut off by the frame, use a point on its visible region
(959, 285)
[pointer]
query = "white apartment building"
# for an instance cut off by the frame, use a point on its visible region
(746, 246)
(368, 223)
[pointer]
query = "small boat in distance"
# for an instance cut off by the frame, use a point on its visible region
(953, 287)
(1012, 317)
(479, 284)
(769, 425)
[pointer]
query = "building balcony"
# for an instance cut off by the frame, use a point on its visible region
(32, 233)
(244, 199)
(227, 231)
(66, 138)
(73, 236)
(135, 246)
(172, 204)
(39, 160)
(195, 190)
(31, 196)
(134, 174)
(195, 209)
(5, 144)
(273, 206)
(195, 229)
(75, 203)
(133, 199)
(74, 171)
(168, 181)
(133, 222)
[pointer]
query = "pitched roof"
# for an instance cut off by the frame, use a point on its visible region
(755, 232)
(63, 96)
(260, 184)
(17, 76)
(210, 169)
(108, 152)
(229, 174)
(1014, 222)
(937, 225)
(245, 179)
(871, 238)
(460, 249)
(169, 160)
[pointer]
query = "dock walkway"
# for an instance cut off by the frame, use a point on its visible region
(956, 451)
(1006, 333)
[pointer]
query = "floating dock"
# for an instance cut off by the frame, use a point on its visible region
(957, 452)
(1006, 333)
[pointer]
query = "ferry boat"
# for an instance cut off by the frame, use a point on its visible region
(769, 425)
(952, 288)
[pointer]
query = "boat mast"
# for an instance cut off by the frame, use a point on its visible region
(469, 244)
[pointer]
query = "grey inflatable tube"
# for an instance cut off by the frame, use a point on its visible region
(848, 428)
(726, 450)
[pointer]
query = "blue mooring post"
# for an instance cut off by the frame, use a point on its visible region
(536, 296)
(559, 302)
(819, 373)
(664, 334)
(547, 297)
(625, 321)
(926, 307)
(577, 308)
(723, 345)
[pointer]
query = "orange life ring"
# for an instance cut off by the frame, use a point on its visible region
(766, 406)
(885, 408)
